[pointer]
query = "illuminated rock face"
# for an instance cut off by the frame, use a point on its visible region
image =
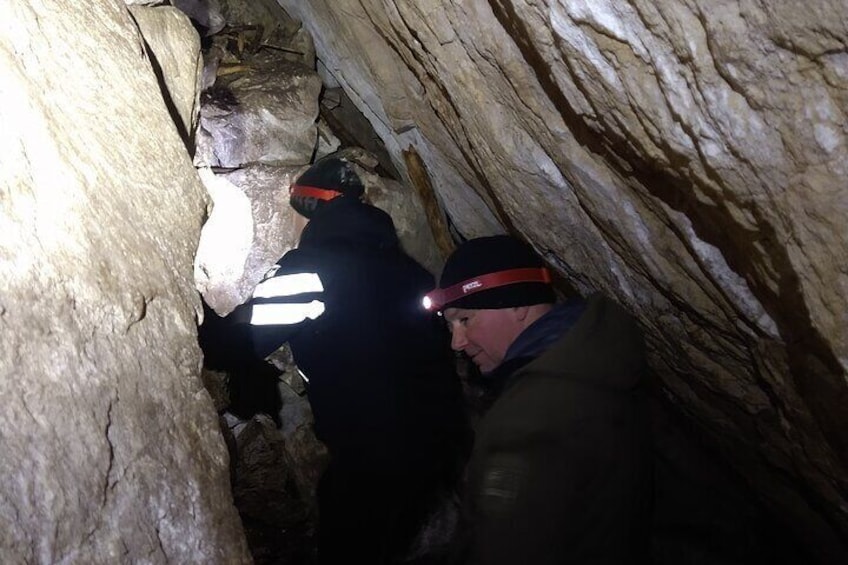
(688, 158)
(265, 114)
(170, 40)
(251, 226)
(110, 446)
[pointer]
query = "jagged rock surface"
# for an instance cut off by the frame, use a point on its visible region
(111, 448)
(207, 14)
(250, 227)
(263, 111)
(169, 40)
(685, 157)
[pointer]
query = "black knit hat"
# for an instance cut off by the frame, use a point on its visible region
(493, 272)
(328, 178)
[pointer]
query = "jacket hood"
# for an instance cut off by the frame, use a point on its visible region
(350, 221)
(604, 348)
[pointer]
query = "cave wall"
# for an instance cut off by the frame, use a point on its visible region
(111, 451)
(687, 157)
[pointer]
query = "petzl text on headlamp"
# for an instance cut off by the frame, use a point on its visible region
(438, 298)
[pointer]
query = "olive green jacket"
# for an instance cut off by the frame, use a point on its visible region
(561, 468)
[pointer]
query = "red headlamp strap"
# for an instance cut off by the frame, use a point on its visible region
(313, 192)
(441, 296)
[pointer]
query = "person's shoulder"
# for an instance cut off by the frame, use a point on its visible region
(532, 393)
(538, 382)
(541, 409)
(400, 266)
(542, 389)
(599, 304)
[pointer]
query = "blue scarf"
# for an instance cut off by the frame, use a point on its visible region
(539, 336)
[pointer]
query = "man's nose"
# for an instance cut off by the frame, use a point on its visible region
(458, 340)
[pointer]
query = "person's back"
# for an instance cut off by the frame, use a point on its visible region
(381, 378)
(384, 393)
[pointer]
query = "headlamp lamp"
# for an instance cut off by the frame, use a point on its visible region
(438, 298)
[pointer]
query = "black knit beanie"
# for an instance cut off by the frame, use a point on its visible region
(486, 255)
(328, 178)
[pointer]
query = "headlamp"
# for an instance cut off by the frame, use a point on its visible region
(439, 297)
(305, 191)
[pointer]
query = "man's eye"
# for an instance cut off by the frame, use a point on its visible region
(464, 320)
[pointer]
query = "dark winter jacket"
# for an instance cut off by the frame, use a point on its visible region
(561, 467)
(382, 387)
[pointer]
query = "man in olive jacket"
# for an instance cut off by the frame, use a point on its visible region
(561, 466)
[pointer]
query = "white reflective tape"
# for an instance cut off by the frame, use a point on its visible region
(302, 375)
(289, 285)
(285, 314)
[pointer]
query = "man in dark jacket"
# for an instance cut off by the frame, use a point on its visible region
(379, 370)
(561, 471)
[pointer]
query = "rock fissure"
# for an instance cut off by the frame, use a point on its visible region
(109, 482)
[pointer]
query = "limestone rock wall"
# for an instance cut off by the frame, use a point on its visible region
(169, 41)
(687, 157)
(111, 451)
